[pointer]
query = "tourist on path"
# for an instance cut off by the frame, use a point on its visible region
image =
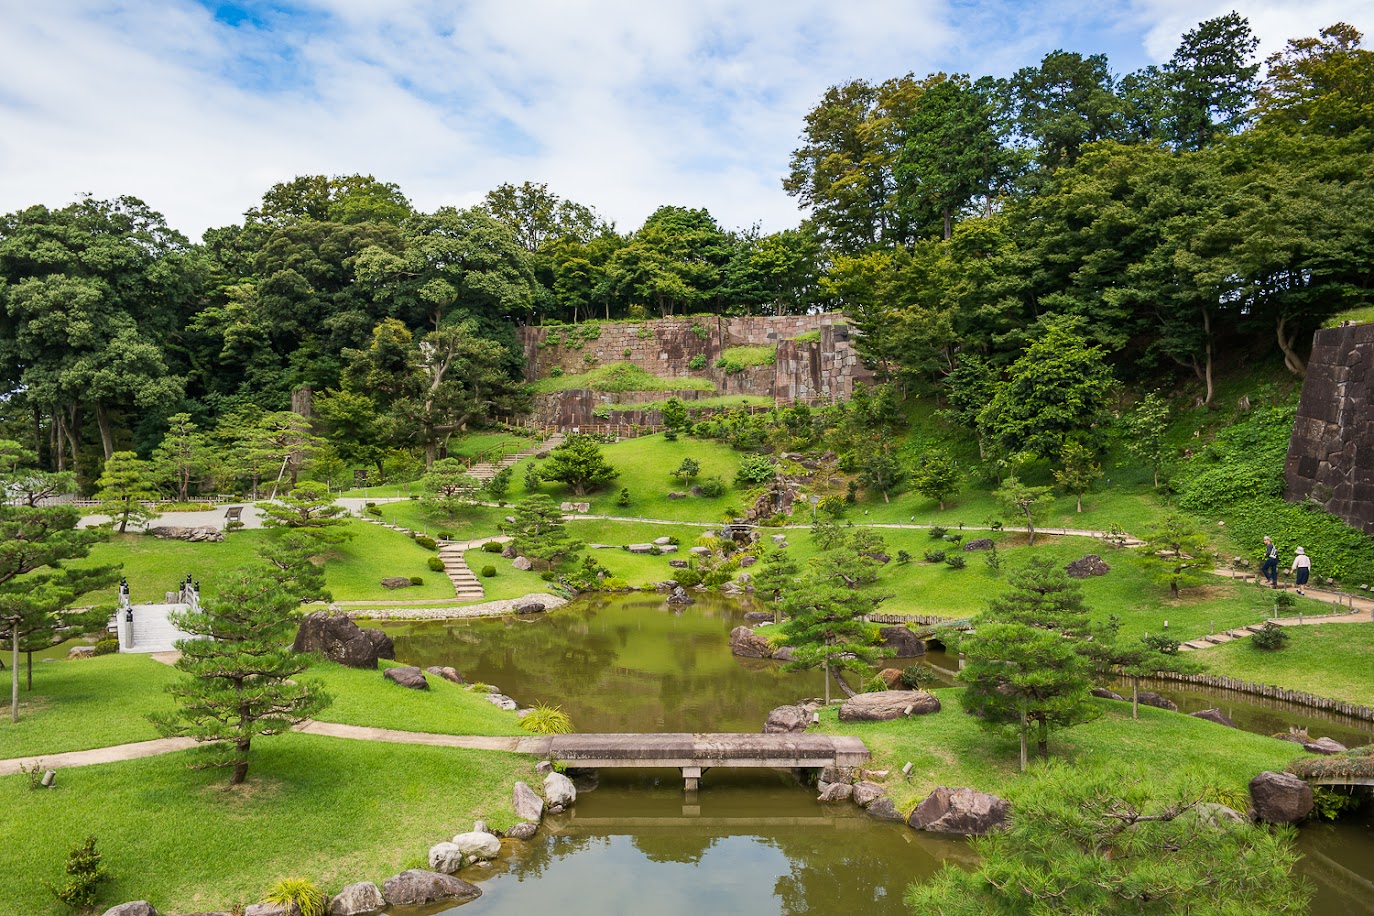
(1302, 566)
(1270, 569)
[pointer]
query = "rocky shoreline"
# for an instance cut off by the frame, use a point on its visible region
(521, 605)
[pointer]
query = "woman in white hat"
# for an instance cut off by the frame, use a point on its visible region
(1302, 566)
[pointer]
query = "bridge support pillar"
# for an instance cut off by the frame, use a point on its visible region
(691, 777)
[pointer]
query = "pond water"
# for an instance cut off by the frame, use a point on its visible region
(752, 841)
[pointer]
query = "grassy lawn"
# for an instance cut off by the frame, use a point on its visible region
(334, 810)
(1331, 660)
(363, 697)
(470, 523)
(620, 376)
(353, 569)
(951, 748)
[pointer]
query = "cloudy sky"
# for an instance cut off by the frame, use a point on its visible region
(623, 105)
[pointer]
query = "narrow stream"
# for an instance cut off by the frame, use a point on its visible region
(753, 842)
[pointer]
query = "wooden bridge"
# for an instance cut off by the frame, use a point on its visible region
(694, 754)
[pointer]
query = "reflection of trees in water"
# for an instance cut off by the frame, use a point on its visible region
(683, 847)
(863, 869)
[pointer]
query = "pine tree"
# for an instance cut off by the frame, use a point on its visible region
(242, 671)
(302, 525)
(125, 488)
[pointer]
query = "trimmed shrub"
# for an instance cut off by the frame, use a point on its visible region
(937, 533)
(444, 535)
(935, 556)
(712, 487)
(417, 580)
(84, 875)
(427, 542)
(436, 564)
(955, 561)
(903, 558)
(687, 578)
(107, 646)
(492, 547)
(754, 470)
(488, 572)
(1270, 638)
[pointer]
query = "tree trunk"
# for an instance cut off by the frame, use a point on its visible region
(1291, 360)
(1024, 726)
(29, 658)
(949, 225)
(1030, 529)
(124, 516)
(102, 420)
(1042, 744)
(1135, 698)
(1080, 501)
(1207, 335)
(825, 668)
(839, 679)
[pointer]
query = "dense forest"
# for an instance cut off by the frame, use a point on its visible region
(1150, 222)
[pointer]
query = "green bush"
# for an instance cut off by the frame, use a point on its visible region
(903, 558)
(492, 547)
(917, 677)
(546, 720)
(548, 575)
(687, 578)
(697, 362)
(374, 510)
(712, 487)
(107, 646)
(715, 578)
(556, 372)
(427, 542)
(444, 535)
(301, 893)
(436, 564)
(1270, 638)
(754, 470)
(488, 572)
(417, 580)
(935, 556)
(937, 533)
(955, 561)
(84, 875)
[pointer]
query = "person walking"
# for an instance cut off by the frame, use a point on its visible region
(1270, 569)
(1302, 566)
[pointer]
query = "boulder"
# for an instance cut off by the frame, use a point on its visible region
(1216, 815)
(445, 857)
(508, 552)
(783, 654)
(678, 564)
(525, 831)
(640, 548)
(529, 606)
(407, 676)
(759, 616)
(1324, 746)
(964, 812)
(884, 808)
(1280, 798)
(522, 563)
(477, 844)
(501, 701)
(676, 495)
(89, 651)
(339, 639)
(904, 642)
(663, 541)
(528, 805)
(779, 539)
(866, 793)
(1214, 715)
(747, 561)
(195, 534)
(885, 705)
(1106, 694)
(134, 908)
(394, 582)
(559, 790)
(1150, 698)
(416, 887)
(1295, 735)
(447, 673)
(786, 720)
(979, 544)
(878, 557)
(748, 644)
(1091, 565)
(836, 792)
(361, 899)
(680, 596)
(700, 551)
(271, 909)
(892, 677)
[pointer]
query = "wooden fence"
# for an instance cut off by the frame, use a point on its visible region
(1268, 691)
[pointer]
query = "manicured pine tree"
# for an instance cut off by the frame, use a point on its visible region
(124, 490)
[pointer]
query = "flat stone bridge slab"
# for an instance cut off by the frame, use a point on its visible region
(695, 753)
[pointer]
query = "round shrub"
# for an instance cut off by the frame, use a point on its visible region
(916, 677)
(715, 578)
(936, 532)
(1270, 638)
(935, 556)
(427, 542)
(492, 547)
(375, 511)
(955, 561)
(417, 580)
(754, 469)
(488, 572)
(444, 535)
(712, 487)
(556, 372)
(436, 564)
(697, 362)
(107, 646)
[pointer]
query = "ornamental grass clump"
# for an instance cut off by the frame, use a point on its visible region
(544, 719)
(303, 893)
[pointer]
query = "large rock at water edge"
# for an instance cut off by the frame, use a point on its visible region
(787, 720)
(407, 676)
(416, 887)
(1324, 746)
(1214, 715)
(339, 639)
(478, 844)
(902, 641)
(524, 831)
(748, 644)
(866, 793)
(1106, 694)
(1150, 698)
(836, 792)
(559, 790)
(446, 858)
(134, 908)
(885, 809)
(447, 673)
(1280, 798)
(886, 705)
(530, 606)
(963, 812)
(528, 805)
(361, 899)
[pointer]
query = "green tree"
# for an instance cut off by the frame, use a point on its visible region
(538, 533)
(184, 456)
(1319, 85)
(278, 445)
(302, 525)
(1118, 840)
(773, 578)
(1211, 81)
(1021, 501)
(499, 486)
(125, 489)
(688, 469)
(674, 414)
(243, 678)
(1057, 389)
(1136, 658)
(1078, 470)
(1178, 553)
(1146, 428)
(937, 476)
(881, 470)
(449, 487)
(578, 462)
(1064, 104)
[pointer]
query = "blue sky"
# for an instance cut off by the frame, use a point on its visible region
(199, 107)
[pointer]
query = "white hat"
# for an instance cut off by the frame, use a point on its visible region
(1299, 550)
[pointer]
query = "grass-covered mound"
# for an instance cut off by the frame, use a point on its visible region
(1356, 764)
(951, 748)
(330, 809)
(617, 377)
(1330, 660)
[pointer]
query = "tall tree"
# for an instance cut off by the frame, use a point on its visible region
(538, 532)
(1064, 104)
(243, 672)
(184, 455)
(302, 525)
(1212, 81)
(1177, 552)
(1319, 85)
(126, 489)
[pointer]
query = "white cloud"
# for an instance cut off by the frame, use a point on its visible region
(617, 104)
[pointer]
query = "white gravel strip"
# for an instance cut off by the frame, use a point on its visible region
(485, 609)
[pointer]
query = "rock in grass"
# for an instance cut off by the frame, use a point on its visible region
(416, 887)
(133, 908)
(1280, 798)
(962, 812)
(1214, 715)
(445, 857)
(886, 705)
(361, 899)
(407, 676)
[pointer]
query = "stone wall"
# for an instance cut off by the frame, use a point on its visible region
(817, 371)
(1331, 454)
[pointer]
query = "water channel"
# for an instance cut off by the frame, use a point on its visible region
(752, 841)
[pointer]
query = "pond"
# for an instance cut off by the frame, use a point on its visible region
(753, 841)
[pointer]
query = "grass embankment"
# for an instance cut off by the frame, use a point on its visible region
(951, 748)
(619, 377)
(334, 810)
(737, 359)
(1330, 660)
(353, 570)
(719, 402)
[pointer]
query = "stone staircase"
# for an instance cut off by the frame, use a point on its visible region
(466, 585)
(486, 470)
(1218, 639)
